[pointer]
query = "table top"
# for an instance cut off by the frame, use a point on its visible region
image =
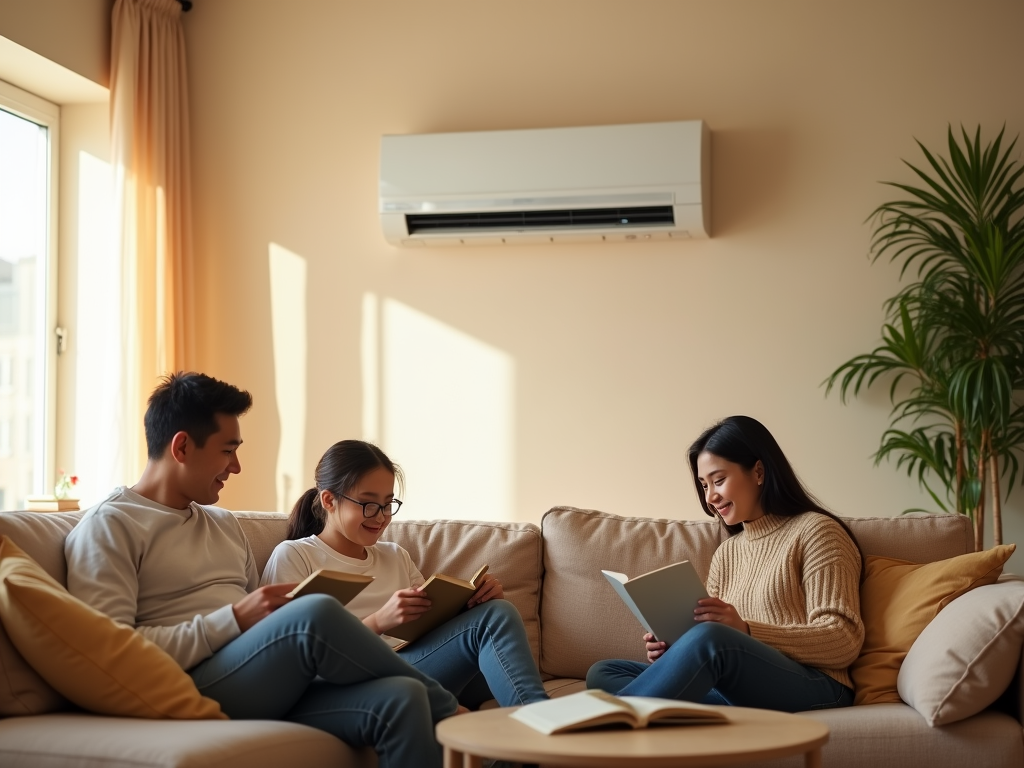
(751, 734)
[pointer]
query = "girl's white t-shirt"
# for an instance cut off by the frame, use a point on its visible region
(390, 565)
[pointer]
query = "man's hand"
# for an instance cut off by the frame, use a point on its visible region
(403, 606)
(654, 648)
(490, 589)
(259, 604)
(713, 609)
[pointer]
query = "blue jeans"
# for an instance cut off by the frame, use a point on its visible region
(313, 662)
(488, 641)
(716, 664)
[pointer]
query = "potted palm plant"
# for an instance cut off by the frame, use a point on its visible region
(952, 346)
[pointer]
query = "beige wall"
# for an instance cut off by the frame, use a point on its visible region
(72, 33)
(621, 353)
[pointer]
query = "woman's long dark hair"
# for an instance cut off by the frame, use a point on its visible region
(746, 441)
(338, 471)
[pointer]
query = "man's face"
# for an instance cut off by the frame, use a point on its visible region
(206, 469)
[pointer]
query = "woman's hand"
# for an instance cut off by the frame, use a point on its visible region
(490, 589)
(713, 609)
(403, 606)
(654, 648)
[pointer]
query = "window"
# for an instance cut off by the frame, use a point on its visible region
(28, 127)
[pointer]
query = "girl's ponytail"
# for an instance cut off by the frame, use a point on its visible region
(307, 517)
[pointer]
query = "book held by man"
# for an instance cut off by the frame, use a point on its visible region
(337, 584)
(448, 597)
(593, 708)
(663, 599)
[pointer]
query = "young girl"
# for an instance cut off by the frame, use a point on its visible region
(480, 653)
(782, 623)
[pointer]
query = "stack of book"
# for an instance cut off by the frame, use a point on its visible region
(50, 504)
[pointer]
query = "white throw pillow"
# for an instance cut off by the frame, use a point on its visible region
(967, 655)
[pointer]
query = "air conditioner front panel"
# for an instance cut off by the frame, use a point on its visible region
(544, 170)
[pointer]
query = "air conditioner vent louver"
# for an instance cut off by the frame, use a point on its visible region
(583, 218)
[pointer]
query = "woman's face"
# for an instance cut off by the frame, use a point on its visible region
(345, 517)
(731, 490)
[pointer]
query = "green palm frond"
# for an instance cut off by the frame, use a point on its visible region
(955, 329)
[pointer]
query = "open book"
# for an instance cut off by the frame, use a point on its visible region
(448, 597)
(338, 584)
(662, 600)
(589, 709)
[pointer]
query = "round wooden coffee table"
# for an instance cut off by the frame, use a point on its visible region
(751, 734)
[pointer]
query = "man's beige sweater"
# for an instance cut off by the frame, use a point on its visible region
(796, 582)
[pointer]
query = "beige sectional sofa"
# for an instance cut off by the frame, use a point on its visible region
(551, 574)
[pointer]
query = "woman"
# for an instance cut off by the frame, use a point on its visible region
(781, 625)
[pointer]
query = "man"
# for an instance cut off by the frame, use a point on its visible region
(156, 557)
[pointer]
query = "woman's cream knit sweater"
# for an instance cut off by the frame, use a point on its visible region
(796, 582)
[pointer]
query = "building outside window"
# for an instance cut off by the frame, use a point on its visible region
(27, 293)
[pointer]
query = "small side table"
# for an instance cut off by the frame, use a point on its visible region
(752, 734)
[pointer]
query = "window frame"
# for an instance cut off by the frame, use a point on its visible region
(42, 112)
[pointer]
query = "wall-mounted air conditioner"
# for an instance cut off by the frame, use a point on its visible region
(615, 183)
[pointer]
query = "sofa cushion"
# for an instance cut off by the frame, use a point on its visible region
(459, 547)
(89, 741)
(579, 603)
(898, 600)
(896, 735)
(95, 662)
(41, 536)
(966, 657)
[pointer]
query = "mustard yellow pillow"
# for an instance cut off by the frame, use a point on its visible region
(93, 661)
(898, 599)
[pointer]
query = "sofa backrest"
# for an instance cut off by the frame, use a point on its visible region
(582, 619)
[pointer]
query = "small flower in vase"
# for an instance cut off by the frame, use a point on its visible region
(62, 490)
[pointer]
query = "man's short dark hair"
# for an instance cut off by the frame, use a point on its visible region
(189, 402)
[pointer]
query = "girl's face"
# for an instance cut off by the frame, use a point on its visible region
(731, 490)
(346, 530)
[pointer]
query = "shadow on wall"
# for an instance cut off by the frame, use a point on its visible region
(440, 403)
(749, 177)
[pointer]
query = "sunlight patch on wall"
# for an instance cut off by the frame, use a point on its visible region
(370, 353)
(288, 328)
(99, 452)
(446, 408)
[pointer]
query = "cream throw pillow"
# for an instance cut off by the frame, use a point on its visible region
(98, 664)
(897, 601)
(966, 657)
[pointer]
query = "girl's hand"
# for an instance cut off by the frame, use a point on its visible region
(713, 609)
(490, 589)
(654, 647)
(403, 606)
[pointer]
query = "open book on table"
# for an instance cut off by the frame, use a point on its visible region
(338, 584)
(448, 596)
(662, 600)
(589, 709)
